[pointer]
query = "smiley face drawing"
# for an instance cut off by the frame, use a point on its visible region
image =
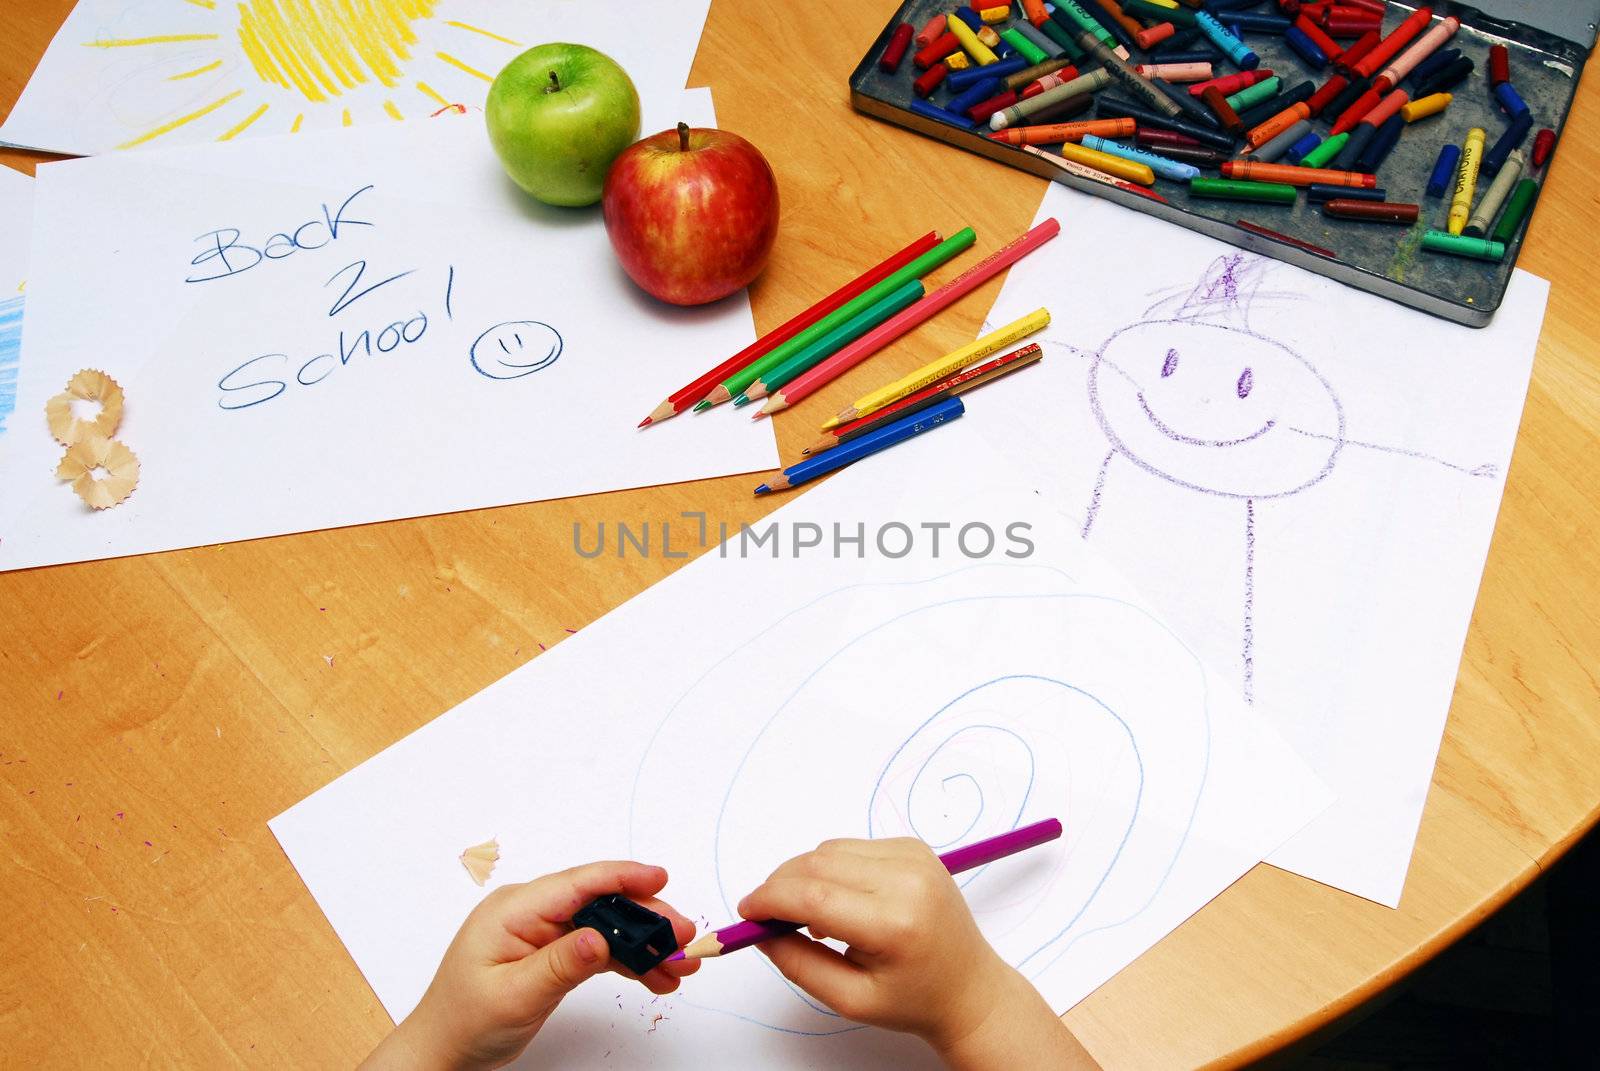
(1193, 396)
(515, 349)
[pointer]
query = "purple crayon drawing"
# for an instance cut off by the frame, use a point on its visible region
(957, 861)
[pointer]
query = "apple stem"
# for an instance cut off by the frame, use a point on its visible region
(683, 137)
(555, 84)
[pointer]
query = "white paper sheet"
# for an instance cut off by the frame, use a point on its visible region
(1302, 478)
(454, 347)
(16, 220)
(749, 706)
(159, 72)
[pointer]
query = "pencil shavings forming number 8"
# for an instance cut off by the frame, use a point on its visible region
(88, 385)
(103, 471)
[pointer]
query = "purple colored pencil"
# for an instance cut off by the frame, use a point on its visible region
(967, 857)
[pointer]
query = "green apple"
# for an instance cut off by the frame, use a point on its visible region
(558, 115)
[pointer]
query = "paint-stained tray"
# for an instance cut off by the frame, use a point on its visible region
(1383, 260)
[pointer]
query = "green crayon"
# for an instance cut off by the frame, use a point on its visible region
(1324, 153)
(1015, 38)
(1277, 193)
(1250, 96)
(1462, 246)
(1516, 211)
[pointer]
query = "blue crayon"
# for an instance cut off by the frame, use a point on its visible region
(1510, 101)
(1432, 65)
(1236, 50)
(1382, 144)
(1205, 55)
(1322, 191)
(1495, 158)
(1360, 138)
(1168, 169)
(1304, 47)
(976, 93)
(959, 81)
(1444, 170)
(1300, 149)
(970, 17)
(1260, 22)
(933, 111)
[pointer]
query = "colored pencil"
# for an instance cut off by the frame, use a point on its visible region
(872, 442)
(957, 861)
(811, 381)
(953, 361)
(948, 387)
(736, 383)
(890, 304)
(686, 396)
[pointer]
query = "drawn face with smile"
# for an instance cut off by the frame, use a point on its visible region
(1216, 409)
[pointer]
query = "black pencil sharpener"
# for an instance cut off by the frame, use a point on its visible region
(639, 938)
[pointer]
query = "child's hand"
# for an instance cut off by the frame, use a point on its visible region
(514, 959)
(916, 960)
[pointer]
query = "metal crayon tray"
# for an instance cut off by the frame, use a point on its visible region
(1383, 260)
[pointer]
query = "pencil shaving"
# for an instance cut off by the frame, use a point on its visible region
(480, 859)
(102, 471)
(88, 385)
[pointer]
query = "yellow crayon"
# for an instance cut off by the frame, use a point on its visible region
(1421, 108)
(981, 53)
(1466, 180)
(957, 61)
(987, 35)
(997, 13)
(1130, 170)
(953, 361)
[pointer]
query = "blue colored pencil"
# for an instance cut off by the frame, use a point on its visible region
(871, 443)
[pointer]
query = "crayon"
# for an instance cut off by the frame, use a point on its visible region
(1284, 120)
(1462, 246)
(1117, 166)
(1250, 96)
(1259, 22)
(1199, 55)
(936, 50)
(1275, 149)
(933, 111)
(993, 15)
(1083, 84)
(1305, 48)
(1322, 154)
(931, 31)
(1110, 106)
(1444, 169)
(1360, 138)
(1329, 91)
(957, 61)
(979, 113)
(1544, 143)
(1499, 65)
(1192, 109)
(1232, 190)
(1260, 113)
(1466, 180)
(1353, 55)
(1299, 150)
(961, 81)
(1135, 83)
(1381, 145)
(1434, 63)
(1250, 171)
(1348, 22)
(1330, 49)
(1122, 27)
(1064, 110)
(1429, 105)
(1040, 41)
(1151, 36)
(1083, 22)
(971, 93)
(968, 16)
(1496, 157)
(1232, 83)
(1358, 110)
(929, 79)
(1032, 74)
(1198, 155)
(1397, 39)
(871, 443)
(1446, 78)
(1229, 45)
(1496, 196)
(1372, 211)
(1154, 137)
(1089, 174)
(1516, 211)
(1318, 192)
(1347, 96)
(1387, 108)
(895, 51)
(1423, 47)
(1062, 39)
(1223, 110)
(1279, 236)
(1176, 72)
(1024, 45)
(1051, 133)
(1510, 101)
(1166, 168)
(1144, 9)
(981, 53)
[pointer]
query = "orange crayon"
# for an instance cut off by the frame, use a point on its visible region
(1294, 175)
(1260, 135)
(1050, 133)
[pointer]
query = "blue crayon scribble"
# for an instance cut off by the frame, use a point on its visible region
(10, 355)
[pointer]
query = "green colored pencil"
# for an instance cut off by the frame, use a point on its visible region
(829, 344)
(924, 264)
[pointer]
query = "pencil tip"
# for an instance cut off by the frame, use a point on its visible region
(701, 407)
(763, 489)
(741, 401)
(758, 414)
(646, 421)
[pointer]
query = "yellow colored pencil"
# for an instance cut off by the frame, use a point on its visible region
(953, 361)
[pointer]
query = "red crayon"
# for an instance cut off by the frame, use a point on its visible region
(1154, 35)
(1543, 145)
(1156, 138)
(1295, 175)
(1372, 211)
(889, 62)
(929, 80)
(1232, 83)
(1335, 85)
(981, 112)
(1319, 37)
(1349, 23)
(1354, 54)
(942, 46)
(1388, 106)
(1218, 103)
(1390, 46)
(1357, 111)
(1499, 65)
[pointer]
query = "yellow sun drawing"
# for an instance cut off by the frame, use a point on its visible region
(314, 51)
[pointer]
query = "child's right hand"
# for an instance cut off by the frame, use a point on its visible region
(916, 962)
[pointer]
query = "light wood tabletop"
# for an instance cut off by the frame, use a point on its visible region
(158, 710)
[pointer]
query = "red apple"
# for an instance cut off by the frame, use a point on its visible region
(691, 213)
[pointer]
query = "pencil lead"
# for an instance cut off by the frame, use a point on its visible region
(646, 422)
(763, 489)
(741, 401)
(758, 414)
(701, 407)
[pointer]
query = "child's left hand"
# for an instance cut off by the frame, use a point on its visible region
(514, 959)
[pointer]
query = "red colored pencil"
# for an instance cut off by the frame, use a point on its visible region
(893, 328)
(685, 397)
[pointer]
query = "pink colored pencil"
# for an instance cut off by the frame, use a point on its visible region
(967, 857)
(873, 341)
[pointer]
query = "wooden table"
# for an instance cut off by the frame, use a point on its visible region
(159, 710)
